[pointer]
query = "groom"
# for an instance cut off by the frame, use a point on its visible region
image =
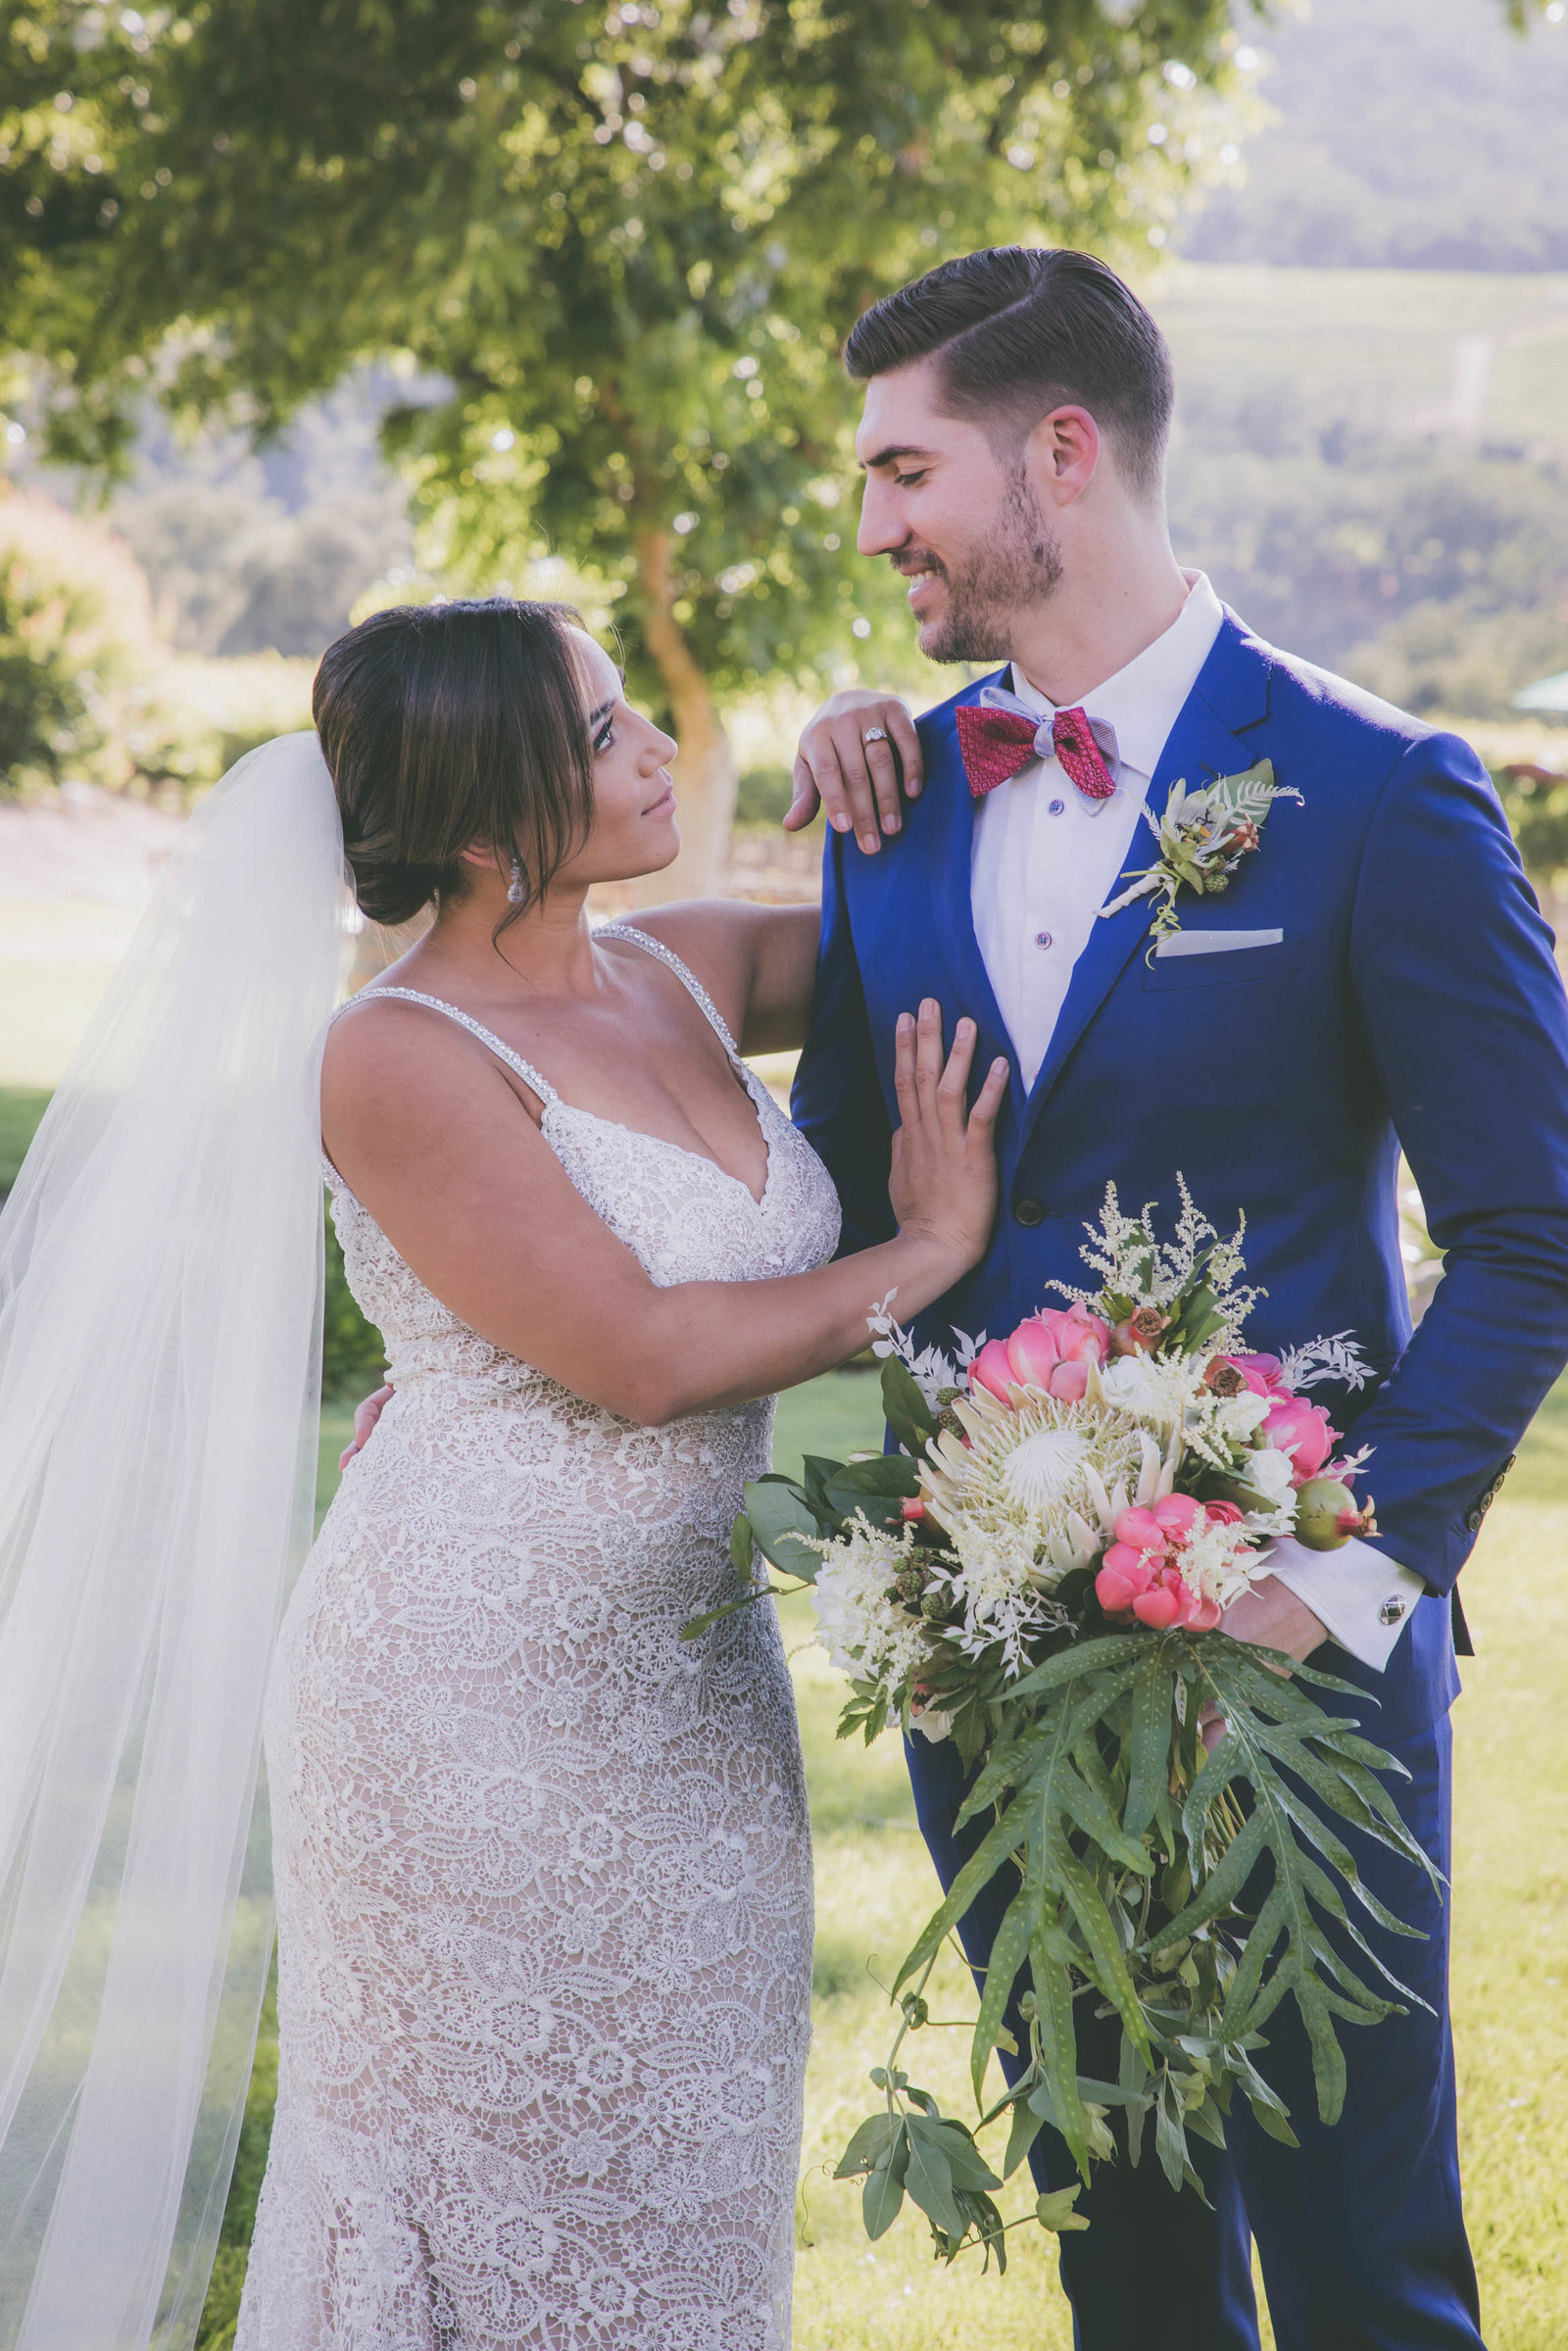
(1377, 975)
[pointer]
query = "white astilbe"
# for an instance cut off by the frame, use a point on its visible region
(1003, 1600)
(931, 1371)
(1218, 1562)
(866, 1635)
(1337, 1359)
(1132, 1264)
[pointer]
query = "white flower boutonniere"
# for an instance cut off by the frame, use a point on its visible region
(1202, 837)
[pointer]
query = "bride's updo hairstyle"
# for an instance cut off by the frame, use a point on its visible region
(447, 724)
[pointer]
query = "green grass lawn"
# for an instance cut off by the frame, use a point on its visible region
(875, 1888)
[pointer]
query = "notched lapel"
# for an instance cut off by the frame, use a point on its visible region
(1231, 693)
(945, 812)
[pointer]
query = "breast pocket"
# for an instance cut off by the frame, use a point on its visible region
(1208, 959)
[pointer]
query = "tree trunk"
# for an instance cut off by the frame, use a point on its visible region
(705, 768)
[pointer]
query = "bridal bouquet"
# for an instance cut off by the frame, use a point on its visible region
(1038, 1574)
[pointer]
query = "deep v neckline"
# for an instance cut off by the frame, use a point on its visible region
(550, 1101)
(759, 1200)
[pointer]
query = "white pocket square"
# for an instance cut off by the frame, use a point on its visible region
(1216, 943)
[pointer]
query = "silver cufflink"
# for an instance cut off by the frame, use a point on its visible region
(1392, 1610)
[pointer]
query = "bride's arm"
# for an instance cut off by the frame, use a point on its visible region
(757, 963)
(430, 1136)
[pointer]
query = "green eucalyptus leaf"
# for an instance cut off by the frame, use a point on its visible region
(928, 2176)
(908, 1415)
(862, 1485)
(867, 2146)
(883, 2195)
(780, 1517)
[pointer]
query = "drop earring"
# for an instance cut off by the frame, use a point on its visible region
(518, 888)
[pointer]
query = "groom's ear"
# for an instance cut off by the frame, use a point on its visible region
(1062, 453)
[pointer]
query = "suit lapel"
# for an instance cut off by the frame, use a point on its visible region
(948, 812)
(1231, 693)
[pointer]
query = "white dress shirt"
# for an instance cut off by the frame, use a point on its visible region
(1043, 862)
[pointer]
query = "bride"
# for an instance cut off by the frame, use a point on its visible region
(542, 1866)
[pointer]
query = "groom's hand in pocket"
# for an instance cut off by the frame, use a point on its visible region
(856, 782)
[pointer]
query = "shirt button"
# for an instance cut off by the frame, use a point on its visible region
(1042, 938)
(1029, 1212)
(1392, 1610)
(1056, 806)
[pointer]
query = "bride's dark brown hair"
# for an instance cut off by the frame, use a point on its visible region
(448, 724)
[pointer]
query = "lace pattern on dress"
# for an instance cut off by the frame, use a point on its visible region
(543, 1868)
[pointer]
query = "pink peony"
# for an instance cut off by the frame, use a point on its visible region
(992, 1371)
(1070, 1382)
(1224, 1514)
(1135, 1568)
(1161, 1605)
(1051, 1339)
(1141, 1530)
(1301, 1430)
(1175, 1514)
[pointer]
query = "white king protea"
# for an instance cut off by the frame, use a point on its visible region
(1041, 1481)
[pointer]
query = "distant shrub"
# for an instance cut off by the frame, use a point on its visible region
(50, 699)
(352, 1360)
(763, 795)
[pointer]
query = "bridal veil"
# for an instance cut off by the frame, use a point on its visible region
(160, 1321)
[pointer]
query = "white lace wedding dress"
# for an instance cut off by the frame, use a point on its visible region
(543, 1868)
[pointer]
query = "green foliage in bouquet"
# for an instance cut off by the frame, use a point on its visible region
(1186, 1889)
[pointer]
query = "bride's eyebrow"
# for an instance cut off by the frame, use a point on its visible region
(603, 712)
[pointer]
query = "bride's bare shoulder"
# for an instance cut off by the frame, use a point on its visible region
(724, 939)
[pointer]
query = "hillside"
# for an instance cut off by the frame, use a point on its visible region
(1409, 135)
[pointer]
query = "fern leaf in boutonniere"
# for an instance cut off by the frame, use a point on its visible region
(1202, 837)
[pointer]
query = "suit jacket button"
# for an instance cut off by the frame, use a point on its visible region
(1029, 1212)
(1473, 1519)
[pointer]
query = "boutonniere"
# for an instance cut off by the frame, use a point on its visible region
(1202, 837)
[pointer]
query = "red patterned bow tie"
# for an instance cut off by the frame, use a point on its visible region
(995, 744)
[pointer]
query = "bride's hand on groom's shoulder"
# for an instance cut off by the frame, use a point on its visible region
(942, 1182)
(854, 781)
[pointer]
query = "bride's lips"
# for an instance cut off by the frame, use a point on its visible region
(663, 804)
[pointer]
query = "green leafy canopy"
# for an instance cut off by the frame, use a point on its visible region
(615, 252)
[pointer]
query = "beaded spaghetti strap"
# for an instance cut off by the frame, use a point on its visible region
(435, 1004)
(683, 972)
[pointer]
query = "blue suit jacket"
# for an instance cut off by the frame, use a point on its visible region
(1413, 999)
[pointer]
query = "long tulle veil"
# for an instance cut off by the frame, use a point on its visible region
(160, 1321)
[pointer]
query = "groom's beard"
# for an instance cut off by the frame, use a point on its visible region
(1019, 565)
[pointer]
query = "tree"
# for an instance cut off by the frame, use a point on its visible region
(619, 252)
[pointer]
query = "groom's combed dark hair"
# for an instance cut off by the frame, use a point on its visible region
(1020, 329)
(446, 724)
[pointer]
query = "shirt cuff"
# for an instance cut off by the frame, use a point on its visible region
(1362, 1597)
